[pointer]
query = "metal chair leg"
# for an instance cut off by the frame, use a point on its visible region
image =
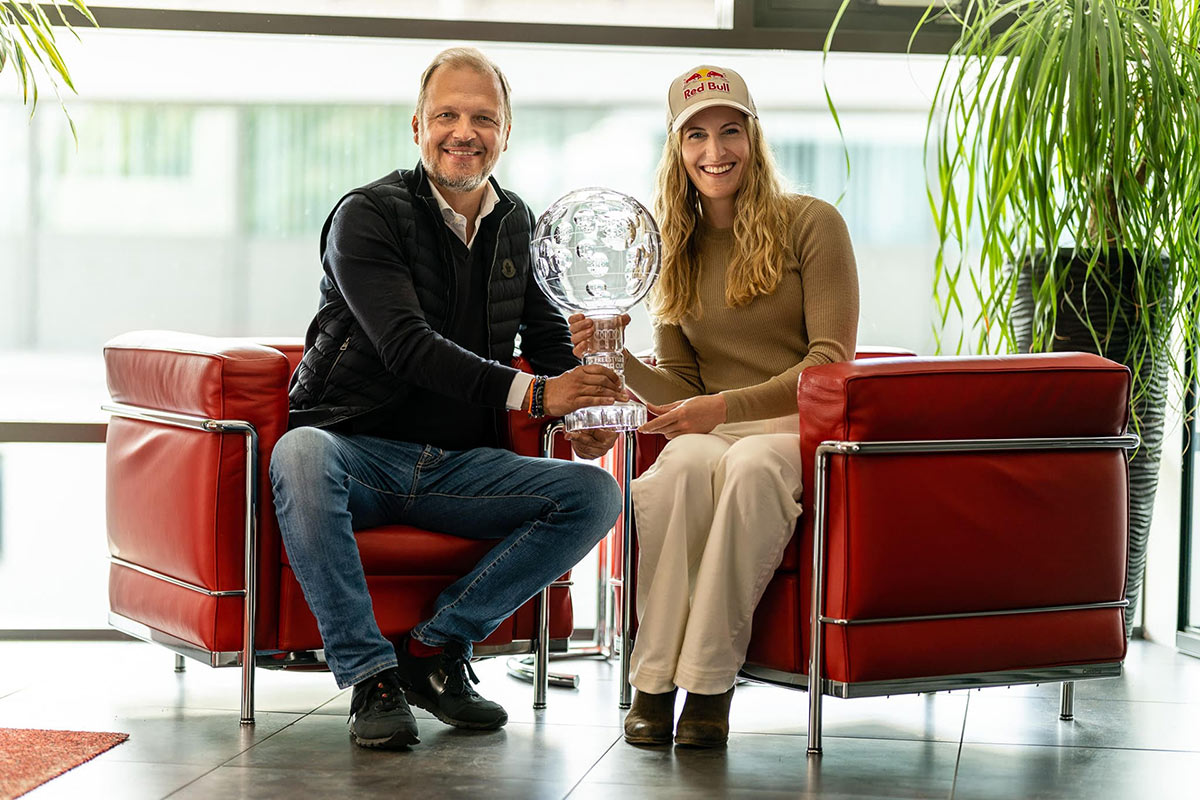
(816, 647)
(180, 664)
(541, 663)
(627, 568)
(250, 561)
(1066, 708)
(247, 690)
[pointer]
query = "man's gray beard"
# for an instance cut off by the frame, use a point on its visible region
(467, 183)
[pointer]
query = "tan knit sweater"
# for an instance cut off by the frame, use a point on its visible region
(753, 354)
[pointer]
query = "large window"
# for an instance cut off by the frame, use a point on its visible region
(207, 164)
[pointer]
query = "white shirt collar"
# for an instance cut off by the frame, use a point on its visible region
(458, 222)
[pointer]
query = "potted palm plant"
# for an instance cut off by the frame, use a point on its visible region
(1064, 139)
(28, 46)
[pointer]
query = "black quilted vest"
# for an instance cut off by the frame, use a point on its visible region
(342, 376)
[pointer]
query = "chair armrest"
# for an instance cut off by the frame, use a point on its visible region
(880, 351)
(988, 397)
(202, 376)
(290, 346)
(176, 497)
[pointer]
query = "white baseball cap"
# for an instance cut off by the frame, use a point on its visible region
(704, 87)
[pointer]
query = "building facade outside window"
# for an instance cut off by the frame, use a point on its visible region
(197, 193)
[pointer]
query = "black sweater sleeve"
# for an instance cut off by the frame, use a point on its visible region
(365, 262)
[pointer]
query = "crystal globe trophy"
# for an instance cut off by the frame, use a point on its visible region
(597, 252)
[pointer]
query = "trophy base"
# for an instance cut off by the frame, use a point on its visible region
(617, 417)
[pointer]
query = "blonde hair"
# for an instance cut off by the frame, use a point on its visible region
(472, 59)
(760, 231)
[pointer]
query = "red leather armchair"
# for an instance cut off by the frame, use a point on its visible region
(970, 517)
(197, 563)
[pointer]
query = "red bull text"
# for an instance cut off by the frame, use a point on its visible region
(709, 86)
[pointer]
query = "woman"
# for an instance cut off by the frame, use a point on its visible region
(756, 285)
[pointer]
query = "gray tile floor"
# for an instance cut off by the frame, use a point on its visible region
(1136, 737)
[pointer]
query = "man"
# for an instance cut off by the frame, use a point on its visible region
(397, 406)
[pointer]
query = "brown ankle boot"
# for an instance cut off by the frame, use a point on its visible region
(650, 718)
(704, 721)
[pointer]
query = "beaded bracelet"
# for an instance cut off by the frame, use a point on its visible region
(537, 399)
(527, 400)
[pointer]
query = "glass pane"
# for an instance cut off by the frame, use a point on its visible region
(15, 207)
(195, 199)
(53, 556)
(643, 13)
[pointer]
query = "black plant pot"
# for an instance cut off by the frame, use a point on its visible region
(1109, 303)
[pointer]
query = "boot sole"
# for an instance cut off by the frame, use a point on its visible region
(700, 743)
(397, 741)
(422, 702)
(647, 741)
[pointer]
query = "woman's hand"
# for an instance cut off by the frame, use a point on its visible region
(693, 415)
(582, 329)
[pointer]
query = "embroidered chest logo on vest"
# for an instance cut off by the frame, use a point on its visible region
(507, 269)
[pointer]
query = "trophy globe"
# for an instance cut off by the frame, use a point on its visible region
(597, 252)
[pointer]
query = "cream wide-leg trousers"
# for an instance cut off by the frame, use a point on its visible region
(714, 513)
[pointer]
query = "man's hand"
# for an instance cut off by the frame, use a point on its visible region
(581, 332)
(589, 385)
(693, 415)
(593, 443)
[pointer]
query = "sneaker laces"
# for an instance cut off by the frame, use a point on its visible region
(384, 693)
(459, 674)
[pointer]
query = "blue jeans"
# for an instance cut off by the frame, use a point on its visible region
(546, 515)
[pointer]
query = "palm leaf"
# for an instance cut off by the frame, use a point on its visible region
(1075, 126)
(28, 46)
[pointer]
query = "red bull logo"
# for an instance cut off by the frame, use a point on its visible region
(703, 75)
(703, 80)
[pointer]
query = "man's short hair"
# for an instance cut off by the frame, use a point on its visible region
(473, 59)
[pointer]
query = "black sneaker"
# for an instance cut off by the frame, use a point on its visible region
(441, 684)
(379, 717)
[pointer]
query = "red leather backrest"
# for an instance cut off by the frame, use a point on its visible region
(290, 346)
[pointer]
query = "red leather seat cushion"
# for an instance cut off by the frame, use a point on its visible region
(401, 601)
(405, 550)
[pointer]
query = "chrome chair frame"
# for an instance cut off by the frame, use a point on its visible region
(247, 658)
(1065, 674)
